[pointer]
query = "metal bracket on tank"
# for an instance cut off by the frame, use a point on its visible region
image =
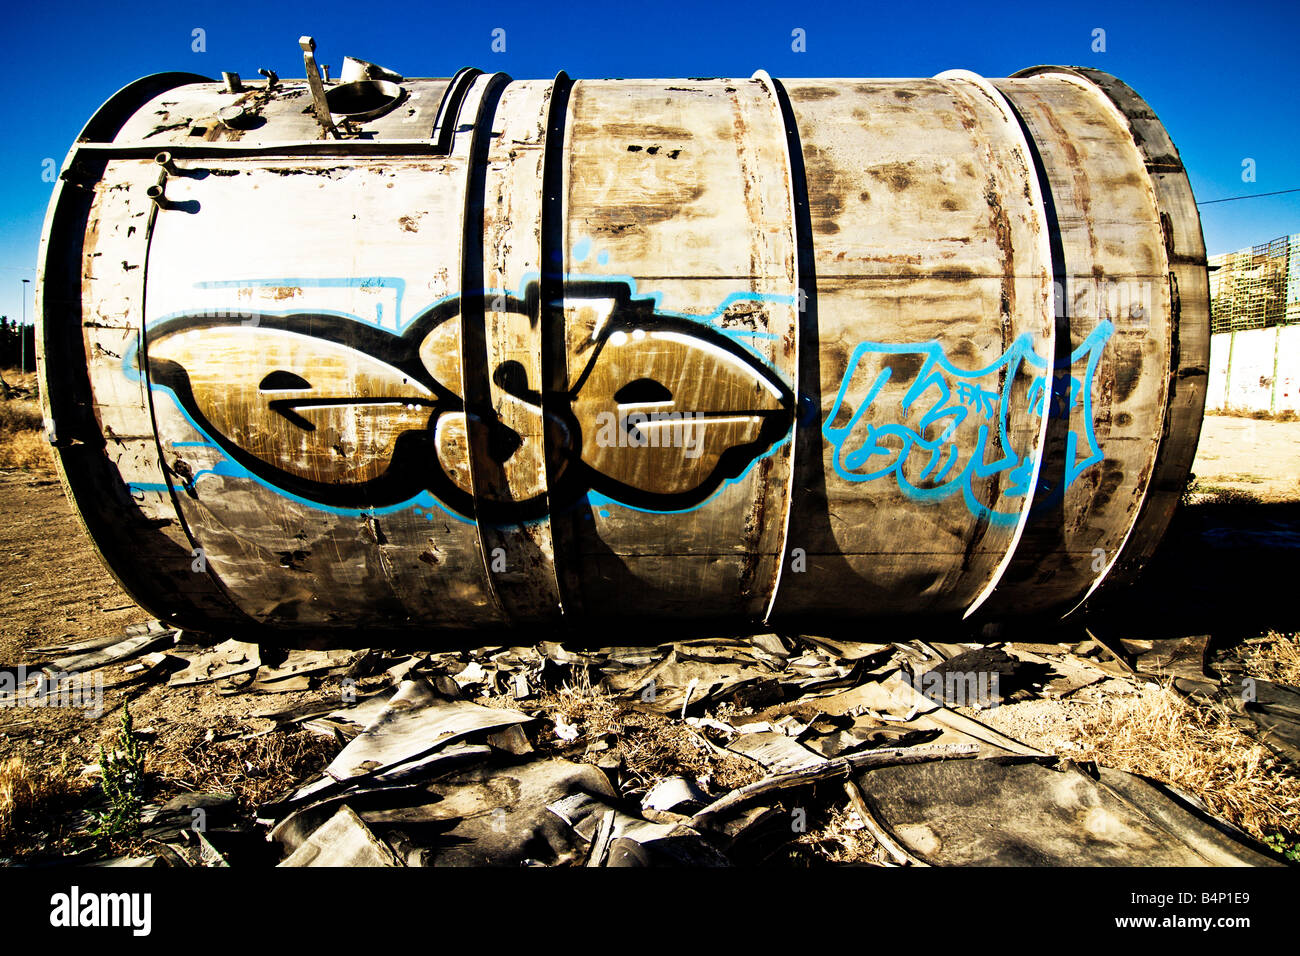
(308, 45)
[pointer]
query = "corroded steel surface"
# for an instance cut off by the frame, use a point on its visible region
(489, 352)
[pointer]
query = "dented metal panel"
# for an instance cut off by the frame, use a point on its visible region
(482, 352)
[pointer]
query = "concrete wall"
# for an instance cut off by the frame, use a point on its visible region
(1255, 370)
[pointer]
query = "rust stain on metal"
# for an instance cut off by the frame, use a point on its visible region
(897, 176)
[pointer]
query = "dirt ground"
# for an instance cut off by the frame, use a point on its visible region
(1259, 457)
(54, 590)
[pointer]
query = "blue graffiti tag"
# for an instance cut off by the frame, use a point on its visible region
(947, 449)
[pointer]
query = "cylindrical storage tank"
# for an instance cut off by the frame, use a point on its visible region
(481, 352)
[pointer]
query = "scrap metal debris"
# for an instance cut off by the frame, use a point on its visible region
(95, 654)
(414, 724)
(1272, 715)
(697, 752)
(943, 813)
(343, 841)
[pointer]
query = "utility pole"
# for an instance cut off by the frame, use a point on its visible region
(22, 330)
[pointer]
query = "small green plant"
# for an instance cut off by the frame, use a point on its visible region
(1278, 843)
(123, 773)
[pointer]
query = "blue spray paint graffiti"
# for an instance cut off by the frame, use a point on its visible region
(949, 428)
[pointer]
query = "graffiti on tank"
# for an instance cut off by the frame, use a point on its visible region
(909, 413)
(658, 411)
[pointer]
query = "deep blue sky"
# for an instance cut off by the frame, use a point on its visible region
(1220, 76)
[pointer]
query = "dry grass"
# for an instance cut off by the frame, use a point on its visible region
(656, 747)
(22, 436)
(1241, 479)
(1259, 416)
(255, 770)
(652, 746)
(843, 838)
(31, 797)
(27, 450)
(599, 713)
(1216, 495)
(1274, 657)
(20, 415)
(1162, 735)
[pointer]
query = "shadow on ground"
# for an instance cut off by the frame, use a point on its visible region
(1227, 568)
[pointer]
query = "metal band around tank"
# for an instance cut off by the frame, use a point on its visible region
(1189, 340)
(1030, 158)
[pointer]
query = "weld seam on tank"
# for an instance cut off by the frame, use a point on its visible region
(164, 160)
(1062, 306)
(1177, 462)
(1102, 96)
(525, 582)
(1127, 545)
(448, 117)
(207, 569)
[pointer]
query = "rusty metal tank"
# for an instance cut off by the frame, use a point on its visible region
(413, 354)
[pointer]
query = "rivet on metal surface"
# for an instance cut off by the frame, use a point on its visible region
(233, 83)
(271, 77)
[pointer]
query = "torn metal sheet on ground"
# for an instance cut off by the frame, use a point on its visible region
(775, 751)
(343, 841)
(1273, 711)
(839, 767)
(895, 701)
(498, 816)
(1068, 673)
(228, 659)
(416, 721)
(1013, 812)
(116, 653)
(985, 677)
(673, 843)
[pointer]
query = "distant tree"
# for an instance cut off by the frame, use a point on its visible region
(6, 333)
